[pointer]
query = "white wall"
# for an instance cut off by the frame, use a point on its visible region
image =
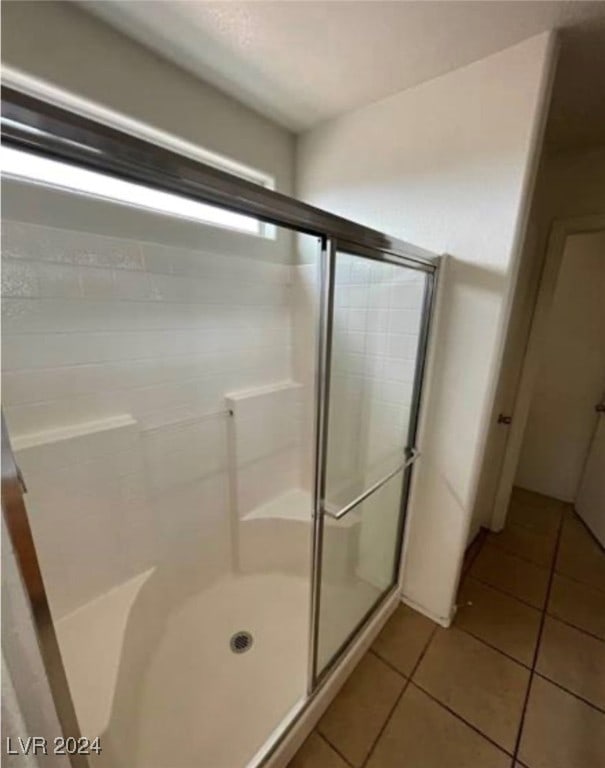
(571, 376)
(444, 165)
(61, 43)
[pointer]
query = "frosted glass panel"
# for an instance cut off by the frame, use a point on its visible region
(359, 557)
(375, 328)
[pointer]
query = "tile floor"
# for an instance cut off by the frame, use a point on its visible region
(518, 681)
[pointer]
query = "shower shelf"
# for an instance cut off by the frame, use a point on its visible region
(82, 429)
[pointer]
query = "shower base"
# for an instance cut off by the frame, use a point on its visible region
(192, 701)
(202, 704)
(151, 666)
(179, 696)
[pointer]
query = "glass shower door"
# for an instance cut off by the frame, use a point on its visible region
(156, 375)
(376, 313)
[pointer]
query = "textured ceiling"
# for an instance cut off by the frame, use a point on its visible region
(304, 62)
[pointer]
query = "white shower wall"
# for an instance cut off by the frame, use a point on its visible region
(118, 353)
(376, 323)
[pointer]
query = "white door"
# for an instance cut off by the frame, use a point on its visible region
(524, 378)
(590, 502)
(570, 375)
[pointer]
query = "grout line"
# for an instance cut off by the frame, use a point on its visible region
(462, 719)
(578, 581)
(529, 668)
(508, 552)
(394, 669)
(575, 626)
(332, 746)
(534, 531)
(509, 594)
(398, 699)
(539, 639)
(388, 663)
(537, 532)
(500, 591)
(523, 664)
(571, 693)
(536, 608)
(539, 610)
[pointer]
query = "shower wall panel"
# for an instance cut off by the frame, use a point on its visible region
(117, 355)
(151, 397)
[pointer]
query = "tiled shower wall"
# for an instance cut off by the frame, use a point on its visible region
(117, 355)
(112, 325)
(377, 312)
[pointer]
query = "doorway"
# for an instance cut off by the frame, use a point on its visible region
(556, 438)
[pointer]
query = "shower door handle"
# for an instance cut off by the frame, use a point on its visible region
(338, 514)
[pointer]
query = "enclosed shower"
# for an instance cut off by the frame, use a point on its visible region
(210, 397)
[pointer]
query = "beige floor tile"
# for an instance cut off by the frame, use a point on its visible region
(578, 604)
(500, 620)
(511, 574)
(359, 711)
(478, 683)
(535, 500)
(422, 734)
(535, 512)
(580, 557)
(561, 731)
(574, 660)
(523, 495)
(316, 753)
(534, 546)
(403, 638)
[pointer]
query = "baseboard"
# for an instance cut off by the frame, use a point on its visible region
(444, 621)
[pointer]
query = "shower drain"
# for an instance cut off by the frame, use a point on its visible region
(241, 642)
